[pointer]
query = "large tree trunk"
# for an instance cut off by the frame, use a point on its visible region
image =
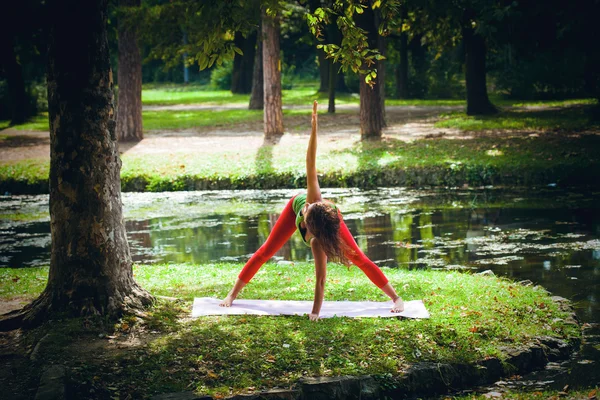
(257, 97)
(372, 114)
(273, 113)
(19, 107)
(129, 106)
(478, 102)
(402, 69)
(243, 65)
(90, 265)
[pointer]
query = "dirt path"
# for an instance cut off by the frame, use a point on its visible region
(405, 123)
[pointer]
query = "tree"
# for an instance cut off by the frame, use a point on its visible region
(90, 266)
(20, 33)
(257, 97)
(129, 106)
(243, 64)
(372, 109)
(478, 102)
(359, 50)
(273, 114)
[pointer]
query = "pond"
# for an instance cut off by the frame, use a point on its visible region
(548, 236)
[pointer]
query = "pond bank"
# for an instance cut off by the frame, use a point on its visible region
(472, 337)
(482, 160)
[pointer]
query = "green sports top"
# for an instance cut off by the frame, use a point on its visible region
(298, 205)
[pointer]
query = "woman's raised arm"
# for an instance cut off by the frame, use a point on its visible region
(313, 191)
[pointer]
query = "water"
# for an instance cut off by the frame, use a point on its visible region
(550, 237)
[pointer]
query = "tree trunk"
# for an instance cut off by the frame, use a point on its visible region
(332, 79)
(402, 69)
(19, 107)
(257, 97)
(243, 65)
(90, 265)
(372, 115)
(478, 102)
(323, 71)
(129, 105)
(418, 53)
(273, 113)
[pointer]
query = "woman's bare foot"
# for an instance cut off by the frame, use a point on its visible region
(227, 301)
(398, 305)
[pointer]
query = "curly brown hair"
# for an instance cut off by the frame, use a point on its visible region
(323, 222)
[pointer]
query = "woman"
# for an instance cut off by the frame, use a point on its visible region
(322, 229)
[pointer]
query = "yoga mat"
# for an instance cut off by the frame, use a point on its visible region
(210, 306)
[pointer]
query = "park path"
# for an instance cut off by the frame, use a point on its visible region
(405, 123)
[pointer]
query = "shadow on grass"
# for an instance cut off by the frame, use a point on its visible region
(23, 141)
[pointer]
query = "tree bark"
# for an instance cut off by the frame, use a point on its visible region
(19, 107)
(90, 265)
(402, 69)
(323, 71)
(478, 102)
(372, 114)
(243, 65)
(129, 111)
(418, 53)
(273, 114)
(257, 97)
(332, 81)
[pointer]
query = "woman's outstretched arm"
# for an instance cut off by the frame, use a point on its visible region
(313, 191)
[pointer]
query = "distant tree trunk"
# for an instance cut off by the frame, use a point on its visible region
(402, 69)
(340, 86)
(332, 81)
(372, 115)
(323, 71)
(129, 105)
(19, 107)
(478, 102)
(90, 266)
(418, 53)
(243, 65)
(257, 97)
(273, 113)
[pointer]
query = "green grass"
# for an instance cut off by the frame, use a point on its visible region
(579, 394)
(37, 123)
(485, 160)
(570, 119)
(218, 354)
(176, 120)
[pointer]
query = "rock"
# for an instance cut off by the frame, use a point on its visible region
(274, 394)
(326, 388)
(493, 395)
(180, 396)
(521, 360)
(525, 282)
(487, 272)
(52, 384)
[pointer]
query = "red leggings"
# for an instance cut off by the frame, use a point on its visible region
(283, 230)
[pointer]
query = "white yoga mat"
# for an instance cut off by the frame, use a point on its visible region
(210, 306)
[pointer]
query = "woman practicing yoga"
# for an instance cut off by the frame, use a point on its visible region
(321, 226)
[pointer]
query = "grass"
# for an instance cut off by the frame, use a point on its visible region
(495, 160)
(220, 355)
(570, 119)
(580, 394)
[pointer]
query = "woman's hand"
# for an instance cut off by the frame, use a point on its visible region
(313, 316)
